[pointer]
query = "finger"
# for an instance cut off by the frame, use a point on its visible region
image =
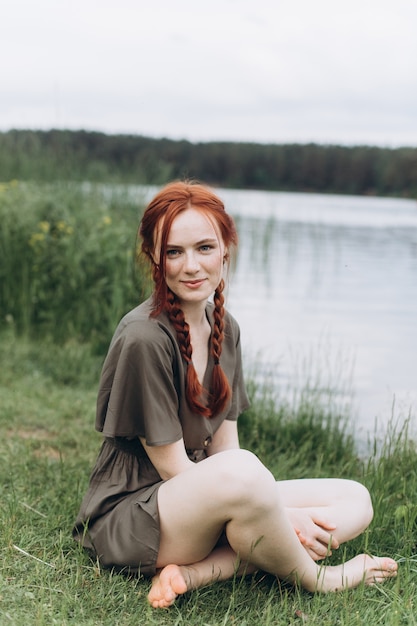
(324, 523)
(316, 548)
(328, 540)
(302, 539)
(321, 549)
(318, 554)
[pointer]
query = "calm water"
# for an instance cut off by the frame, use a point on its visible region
(325, 291)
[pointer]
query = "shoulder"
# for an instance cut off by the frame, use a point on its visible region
(139, 323)
(138, 329)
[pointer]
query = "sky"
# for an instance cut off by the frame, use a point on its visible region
(267, 71)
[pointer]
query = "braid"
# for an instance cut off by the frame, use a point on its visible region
(220, 386)
(177, 318)
(194, 390)
(217, 337)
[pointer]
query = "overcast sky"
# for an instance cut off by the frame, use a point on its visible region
(328, 71)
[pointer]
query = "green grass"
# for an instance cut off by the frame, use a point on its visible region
(48, 446)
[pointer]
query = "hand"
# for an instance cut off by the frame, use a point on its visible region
(314, 532)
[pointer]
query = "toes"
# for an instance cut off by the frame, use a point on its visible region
(387, 565)
(166, 586)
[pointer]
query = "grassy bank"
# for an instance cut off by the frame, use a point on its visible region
(48, 446)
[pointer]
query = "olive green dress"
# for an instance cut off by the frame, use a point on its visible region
(141, 394)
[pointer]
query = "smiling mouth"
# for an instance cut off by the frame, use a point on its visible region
(193, 283)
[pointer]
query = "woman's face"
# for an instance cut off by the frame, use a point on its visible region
(194, 257)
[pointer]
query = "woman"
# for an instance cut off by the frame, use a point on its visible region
(172, 495)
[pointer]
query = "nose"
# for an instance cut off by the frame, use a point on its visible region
(191, 264)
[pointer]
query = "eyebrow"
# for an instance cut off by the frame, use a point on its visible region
(197, 243)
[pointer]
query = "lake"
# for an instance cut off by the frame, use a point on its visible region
(325, 292)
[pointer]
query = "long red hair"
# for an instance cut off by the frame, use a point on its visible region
(156, 223)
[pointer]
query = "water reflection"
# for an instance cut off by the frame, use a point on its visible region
(330, 283)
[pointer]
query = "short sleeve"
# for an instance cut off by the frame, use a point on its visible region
(139, 387)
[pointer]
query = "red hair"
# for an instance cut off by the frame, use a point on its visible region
(156, 223)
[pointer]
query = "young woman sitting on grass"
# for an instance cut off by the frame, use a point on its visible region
(172, 495)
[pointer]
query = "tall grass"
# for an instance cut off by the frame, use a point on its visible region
(67, 260)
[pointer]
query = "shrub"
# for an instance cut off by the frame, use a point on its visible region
(67, 255)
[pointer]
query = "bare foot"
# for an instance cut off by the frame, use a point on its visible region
(361, 569)
(166, 586)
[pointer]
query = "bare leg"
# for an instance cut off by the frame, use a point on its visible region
(173, 580)
(233, 491)
(342, 509)
(345, 503)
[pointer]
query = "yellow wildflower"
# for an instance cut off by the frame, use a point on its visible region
(36, 238)
(106, 220)
(44, 226)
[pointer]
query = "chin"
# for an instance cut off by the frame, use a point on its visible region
(194, 297)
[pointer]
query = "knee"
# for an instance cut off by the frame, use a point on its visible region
(361, 500)
(367, 506)
(246, 479)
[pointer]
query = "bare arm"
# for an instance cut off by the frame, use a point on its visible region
(225, 438)
(172, 459)
(168, 460)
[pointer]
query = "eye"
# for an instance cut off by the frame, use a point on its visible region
(207, 247)
(172, 252)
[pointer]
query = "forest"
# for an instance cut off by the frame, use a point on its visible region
(98, 157)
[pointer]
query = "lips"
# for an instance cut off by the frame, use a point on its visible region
(193, 284)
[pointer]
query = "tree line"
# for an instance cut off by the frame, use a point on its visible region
(94, 156)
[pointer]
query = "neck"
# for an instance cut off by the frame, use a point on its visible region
(194, 313)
